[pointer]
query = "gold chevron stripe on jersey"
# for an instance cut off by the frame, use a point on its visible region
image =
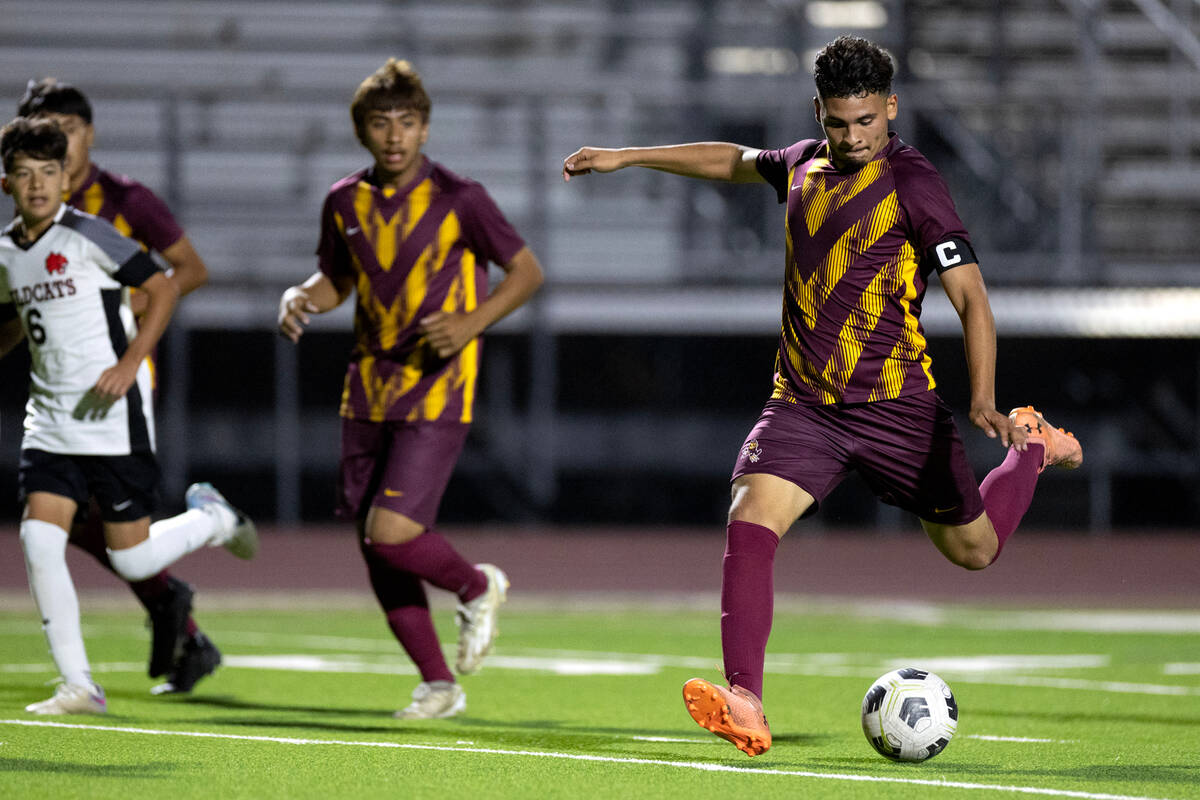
(390, 320)
(820, 203)
(811, 295)
(380, 393)
(460, 376)
(910, 344)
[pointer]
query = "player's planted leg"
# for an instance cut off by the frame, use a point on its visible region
(434, 700)
(735, 714)
(44, 545)
(70, 698)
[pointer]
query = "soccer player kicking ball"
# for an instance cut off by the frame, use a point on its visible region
(868, 219)
(179, 650)
(89, 426)
(413, 241)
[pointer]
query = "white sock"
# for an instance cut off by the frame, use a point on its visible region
(45, 547)
(169, 540)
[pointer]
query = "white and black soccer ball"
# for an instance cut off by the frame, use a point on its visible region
(909, 714)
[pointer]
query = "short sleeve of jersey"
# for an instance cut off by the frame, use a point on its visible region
(136, 270)
(776, 165)
(333, 257)
(927, 204)
(150, 221)
(487, 231)
(119, 255)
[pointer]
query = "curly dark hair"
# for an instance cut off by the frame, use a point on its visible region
(851, 66)
(34, 138)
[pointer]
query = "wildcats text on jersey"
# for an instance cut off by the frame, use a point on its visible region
(69, 287)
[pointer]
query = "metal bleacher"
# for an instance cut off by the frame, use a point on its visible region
(1069, 132)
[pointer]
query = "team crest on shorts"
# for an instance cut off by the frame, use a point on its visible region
(751, 451)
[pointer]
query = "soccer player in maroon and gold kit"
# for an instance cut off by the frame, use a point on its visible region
(178, 649)
(868, 219)
(412, 241)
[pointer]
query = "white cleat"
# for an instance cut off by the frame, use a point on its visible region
(434, 700)
(477, 626)
(241, 538)
(71, 699)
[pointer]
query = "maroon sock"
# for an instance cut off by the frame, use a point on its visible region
(431, 557)
(1008, 489)
(403, 600)
(747, 602)
(152, 588)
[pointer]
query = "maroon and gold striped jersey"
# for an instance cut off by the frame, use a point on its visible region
(132, 208)
(410, 252)
(860, 247)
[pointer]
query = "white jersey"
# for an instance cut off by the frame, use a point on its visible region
(69, 289)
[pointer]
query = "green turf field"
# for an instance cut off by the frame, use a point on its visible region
(581, 702)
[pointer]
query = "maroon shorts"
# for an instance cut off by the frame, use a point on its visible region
(908, 450)
(401, 466)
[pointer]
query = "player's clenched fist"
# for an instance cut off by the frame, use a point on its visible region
(591, 159)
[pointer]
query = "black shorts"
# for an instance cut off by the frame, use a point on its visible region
(125, 487)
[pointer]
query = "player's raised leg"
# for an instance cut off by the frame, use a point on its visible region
(138, 551)
(1007, 492)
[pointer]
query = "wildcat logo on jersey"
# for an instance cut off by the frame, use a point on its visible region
(56, 264)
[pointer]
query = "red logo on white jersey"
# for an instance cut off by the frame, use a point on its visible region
(56, 264)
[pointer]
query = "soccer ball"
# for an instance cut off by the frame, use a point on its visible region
(909, 715)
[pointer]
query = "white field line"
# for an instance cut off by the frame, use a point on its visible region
(698, 766)
(827, 665)
(1181, 668)
(937, 615)
(1020, 739)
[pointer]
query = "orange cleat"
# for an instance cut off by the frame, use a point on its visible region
(1059, 448)
(734, 714)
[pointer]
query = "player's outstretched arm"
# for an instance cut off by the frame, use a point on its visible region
(965, 288)
(449, 332)
(161, 294)
(720, 161)
(316, 295)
